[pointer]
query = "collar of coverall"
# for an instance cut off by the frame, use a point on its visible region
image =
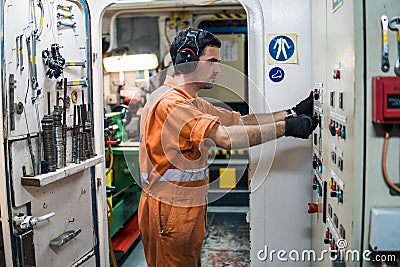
(171, 82)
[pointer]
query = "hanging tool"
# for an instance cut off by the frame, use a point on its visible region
(31, 64)
(74, 136)
(21, 54)
(82, 82)
(74, 96)
(65, 24)
(385, 66)
(64, 7)
(17, 49)
(54, 60)
(31, 45)
(39, 141)
(75, 64)
(12, 86)
(58, 136)
(34, 166)
(65, 16)
(88, 129)
(48, 138)
(78, 153)
(84, 134)
(64, 126)
(19, 108)
(394, 25)
(38, 32)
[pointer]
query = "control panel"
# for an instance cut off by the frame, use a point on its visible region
(356, 96)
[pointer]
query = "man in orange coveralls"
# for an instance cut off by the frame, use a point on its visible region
(177, 128)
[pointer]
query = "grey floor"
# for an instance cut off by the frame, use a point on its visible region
(136, 258)
(227, 241)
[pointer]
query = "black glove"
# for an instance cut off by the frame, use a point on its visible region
(306, 106)
(301, 126)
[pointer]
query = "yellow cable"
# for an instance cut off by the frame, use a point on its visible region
(113, 259)
(111, 250)
(111, 163)
(109, 153)
(385, 173)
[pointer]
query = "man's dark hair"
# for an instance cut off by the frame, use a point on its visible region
(204, 39)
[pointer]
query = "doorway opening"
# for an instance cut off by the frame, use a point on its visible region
(142, 33)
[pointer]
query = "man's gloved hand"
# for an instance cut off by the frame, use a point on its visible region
(306, 106)
(301, 126)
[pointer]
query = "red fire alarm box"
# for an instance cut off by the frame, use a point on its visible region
(386, 100)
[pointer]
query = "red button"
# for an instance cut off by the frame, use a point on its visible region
(339, 129)
(312, 207)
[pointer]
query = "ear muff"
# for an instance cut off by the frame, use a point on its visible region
(186, 54)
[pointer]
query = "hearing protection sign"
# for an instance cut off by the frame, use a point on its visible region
(282, 48)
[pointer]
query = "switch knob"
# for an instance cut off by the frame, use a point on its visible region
(332, 245)
(343, 132)
(339, 130)
(333, 129)
(315, 162)
(336, 74)
(340, 196)
(312, 207)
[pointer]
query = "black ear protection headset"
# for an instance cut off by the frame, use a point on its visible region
(188, 52)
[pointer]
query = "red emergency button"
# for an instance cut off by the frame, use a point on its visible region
(312, 207)
(336, 74)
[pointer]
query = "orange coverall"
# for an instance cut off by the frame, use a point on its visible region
(173, 166)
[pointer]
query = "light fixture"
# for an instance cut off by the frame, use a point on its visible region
(130, 62)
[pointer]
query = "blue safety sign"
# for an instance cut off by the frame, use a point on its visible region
(276, 74)
(281, 48)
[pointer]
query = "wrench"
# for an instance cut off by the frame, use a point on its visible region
(63, 15)
(17, 49)
(394, 25)
(385, 66)
(65, 8)
(21, 54)
(65, 24)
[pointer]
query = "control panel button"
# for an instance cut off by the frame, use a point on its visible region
(336, 74)
(312, 207)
